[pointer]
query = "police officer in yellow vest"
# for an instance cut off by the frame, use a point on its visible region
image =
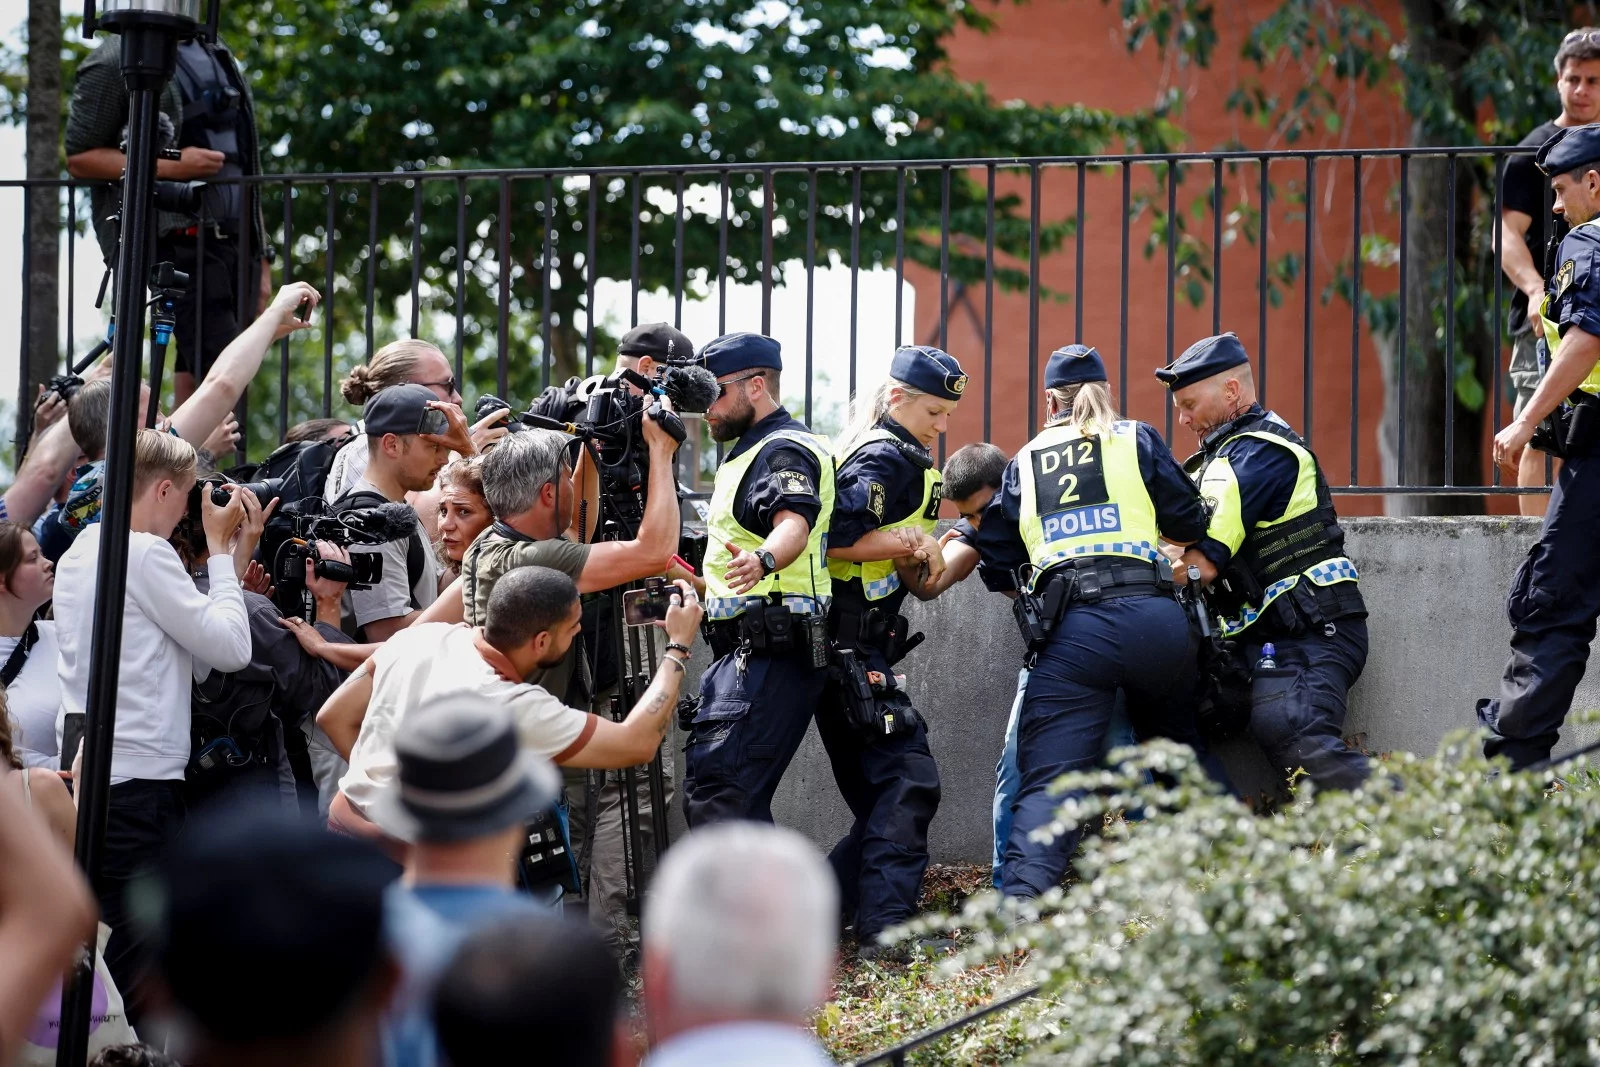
(1555, 597)
(767, 589)
(1273, 558)
(1079, 517)
(880, 547)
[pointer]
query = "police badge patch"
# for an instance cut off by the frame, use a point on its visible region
(1564, 276)
(795, 483)
(875, 501)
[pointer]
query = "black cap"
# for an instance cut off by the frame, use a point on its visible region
(1569, 149)
(657, 340)
(734, 352)
(403, 409)
(1073, 364)
(264, 926)
(932, 370)
(1203, 359)
(463, 774)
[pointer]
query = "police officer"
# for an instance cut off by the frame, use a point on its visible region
(1555, 597)
(1273, 557)
(1079, 517)
(884, 516)
(767, 589)
(212, 118)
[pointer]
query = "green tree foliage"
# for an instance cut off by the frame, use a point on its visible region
(1444, 914)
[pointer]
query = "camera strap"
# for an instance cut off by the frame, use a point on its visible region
(19, 655)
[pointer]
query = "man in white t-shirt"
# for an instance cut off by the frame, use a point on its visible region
(533, 616)
(171, 634)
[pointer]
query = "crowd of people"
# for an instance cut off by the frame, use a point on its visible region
(354, 797)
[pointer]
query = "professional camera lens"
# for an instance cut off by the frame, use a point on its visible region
(182, 198)
(266, 491)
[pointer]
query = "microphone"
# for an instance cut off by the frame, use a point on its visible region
(379, 525)
(692, 388)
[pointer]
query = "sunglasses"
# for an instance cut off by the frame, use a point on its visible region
(722, 387)
(449, 385)
(1586, 36)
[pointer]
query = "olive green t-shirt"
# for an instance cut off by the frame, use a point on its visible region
(494, 554)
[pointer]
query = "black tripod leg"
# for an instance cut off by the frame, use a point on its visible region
(656, 770)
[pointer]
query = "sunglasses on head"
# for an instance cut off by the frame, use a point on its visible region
(1586, 36)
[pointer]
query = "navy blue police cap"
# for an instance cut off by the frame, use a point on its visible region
(734, 352)
(1569, 149)
(932, 370)
(1201, 360)
(1073, 364)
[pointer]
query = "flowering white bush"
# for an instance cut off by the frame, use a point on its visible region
(1444, 914)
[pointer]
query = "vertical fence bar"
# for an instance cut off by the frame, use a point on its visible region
(461, 280)
(1122, 347)
(283, 346)
(767, 191)
(416, 255)
(201, 363)
(722, 262)
(633, 253)
(546, 356)
(944, 257)
(677, 259)
(855, 269)
(811, 279)
(1033, 294)
(1308, 313)
(1499, 324)
(591, 269)
(332, 192)
(1077, 292)
(248, 291)
(1450, 321)
(899, 252)
(988, 310)
(1402, 370)
(372, 260)
(1263, 282)
(1172, 275)
(1355, 329)
(23, 426)
(504, 297)
(1216, 247)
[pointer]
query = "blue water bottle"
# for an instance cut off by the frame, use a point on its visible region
(1268, 659)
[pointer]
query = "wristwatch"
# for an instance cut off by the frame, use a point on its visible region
(768, 562)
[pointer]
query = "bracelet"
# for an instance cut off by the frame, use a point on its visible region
(673, 646)
(683, 668)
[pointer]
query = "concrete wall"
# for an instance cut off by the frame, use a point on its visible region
(1435, 588)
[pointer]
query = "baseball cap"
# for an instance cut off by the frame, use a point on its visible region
(403, 409)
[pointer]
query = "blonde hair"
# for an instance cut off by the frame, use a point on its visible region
(157, 456)
(866, 412)
(393, 364)
(1086, 406)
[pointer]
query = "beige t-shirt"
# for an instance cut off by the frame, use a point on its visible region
(436, 660)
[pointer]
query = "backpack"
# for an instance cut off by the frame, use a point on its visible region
(303, 465)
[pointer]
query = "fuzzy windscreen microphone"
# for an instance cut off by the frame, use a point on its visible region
(380, 525)
(691, 388)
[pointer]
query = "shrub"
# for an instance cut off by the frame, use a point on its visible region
(1443, 914)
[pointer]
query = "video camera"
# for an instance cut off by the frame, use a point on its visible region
(607, 414)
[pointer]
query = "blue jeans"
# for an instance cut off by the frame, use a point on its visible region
(1007, 777)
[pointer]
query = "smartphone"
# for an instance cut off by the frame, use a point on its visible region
(71, 734)
(641, 607)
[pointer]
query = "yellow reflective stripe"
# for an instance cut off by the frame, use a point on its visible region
(1220, 487)
(1552, 338)
(1122, 523)
(878, 577)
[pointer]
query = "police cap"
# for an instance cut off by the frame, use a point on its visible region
(1569, 149)
(734, 352)
(1073, 364)
(929, 369)
(1201, 360)
(658, 340)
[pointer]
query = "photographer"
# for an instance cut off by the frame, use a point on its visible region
(647, 348)
(532, 620)
(409, 438)
(208, 108)
(171, 634)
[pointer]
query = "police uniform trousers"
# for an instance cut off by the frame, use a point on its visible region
(1138, 644)
(1297, 709)
(753, 714)
(1552, 606)
(891, 785)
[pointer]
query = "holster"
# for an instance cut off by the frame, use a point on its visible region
(873, 712)
(872, 628)
(1224, 709)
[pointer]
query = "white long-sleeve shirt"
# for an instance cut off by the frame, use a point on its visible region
(171, 633)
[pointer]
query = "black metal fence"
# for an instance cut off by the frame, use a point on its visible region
(1366, 284)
